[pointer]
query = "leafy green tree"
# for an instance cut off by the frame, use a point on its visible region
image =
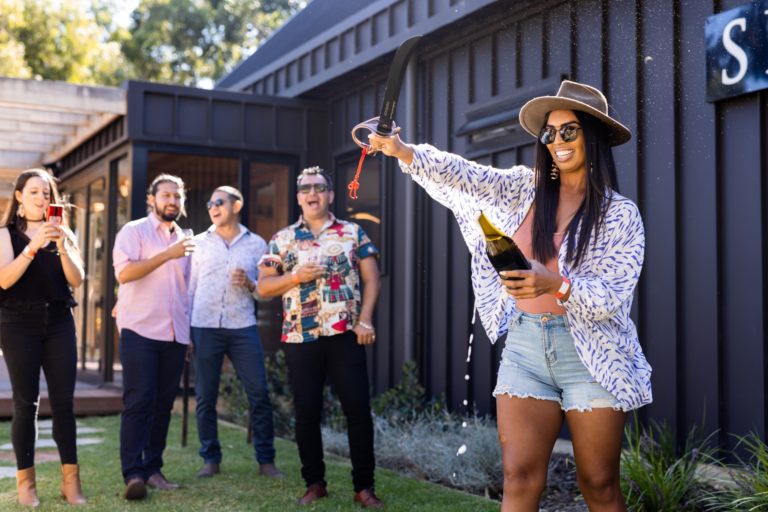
(57, 41)
(12, 61)
(191, 42)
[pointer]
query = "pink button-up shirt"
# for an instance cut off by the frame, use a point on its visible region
(155, 306)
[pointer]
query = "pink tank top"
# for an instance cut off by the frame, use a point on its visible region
(544, 303)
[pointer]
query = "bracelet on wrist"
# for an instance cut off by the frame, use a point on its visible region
(565, 288)
(366, 325)
(28, 253)
(295, 278)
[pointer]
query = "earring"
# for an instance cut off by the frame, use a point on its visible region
(554, 172)
(20, 210)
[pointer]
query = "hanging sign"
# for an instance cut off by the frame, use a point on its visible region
(737, 51)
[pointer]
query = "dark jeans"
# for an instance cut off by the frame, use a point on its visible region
(243, 347)
(32, 340)
(342, 360)
(151, 373)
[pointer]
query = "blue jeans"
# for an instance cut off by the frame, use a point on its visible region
(151, 373)
(243, 347)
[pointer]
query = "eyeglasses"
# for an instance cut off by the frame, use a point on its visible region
(215, 202)
(568, 132)
(317, 187)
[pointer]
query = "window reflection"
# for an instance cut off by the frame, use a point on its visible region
(366, 209)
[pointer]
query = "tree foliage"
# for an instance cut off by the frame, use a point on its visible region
(57, 41)
(187, 42)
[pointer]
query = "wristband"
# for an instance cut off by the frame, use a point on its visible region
(28, 253)
(367, 326)
(565, 287)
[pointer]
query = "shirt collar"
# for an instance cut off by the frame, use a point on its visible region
(211, 231)
(157, 223)
(301, 223)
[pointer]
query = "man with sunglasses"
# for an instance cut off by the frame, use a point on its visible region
(222, 293)
(317, 265)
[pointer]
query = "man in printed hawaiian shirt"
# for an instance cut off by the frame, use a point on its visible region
(222, 293)
(317, 265)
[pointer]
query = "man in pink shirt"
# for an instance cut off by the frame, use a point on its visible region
(152, 315)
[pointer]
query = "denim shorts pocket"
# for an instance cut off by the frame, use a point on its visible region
(514, 321)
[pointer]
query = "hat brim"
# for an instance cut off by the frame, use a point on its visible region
(533, 113)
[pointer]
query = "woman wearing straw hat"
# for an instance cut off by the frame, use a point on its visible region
(571, 350)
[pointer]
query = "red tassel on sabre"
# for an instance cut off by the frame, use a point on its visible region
(354, 185)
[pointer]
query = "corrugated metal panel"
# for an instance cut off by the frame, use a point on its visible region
(697, 171)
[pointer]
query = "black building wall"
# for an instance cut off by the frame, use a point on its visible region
(696, 169)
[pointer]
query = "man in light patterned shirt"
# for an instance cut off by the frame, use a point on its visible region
(222, 293)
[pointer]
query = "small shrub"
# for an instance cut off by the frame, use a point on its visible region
(656, 476)
(408, 400)
(430, 449)
(749, 491)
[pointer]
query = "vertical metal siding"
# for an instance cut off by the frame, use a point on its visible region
(697, 171)
(656, 152)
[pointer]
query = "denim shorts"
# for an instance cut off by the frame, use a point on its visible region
(540, 361)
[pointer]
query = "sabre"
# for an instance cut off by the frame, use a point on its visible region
(384, 124)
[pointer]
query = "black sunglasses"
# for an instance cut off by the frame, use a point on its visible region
(307, 187)
(568, 132)
(215, 202)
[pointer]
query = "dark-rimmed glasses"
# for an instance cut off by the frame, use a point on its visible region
(568, 132)
(306, 188)
(216, 202)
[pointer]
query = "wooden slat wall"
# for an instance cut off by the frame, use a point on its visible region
(697, 171)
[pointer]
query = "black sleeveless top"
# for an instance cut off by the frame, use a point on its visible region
(43, 281)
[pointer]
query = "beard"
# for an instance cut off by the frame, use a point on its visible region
(167, 217)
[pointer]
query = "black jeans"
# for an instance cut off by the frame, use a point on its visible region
(342, 360)
(41, 338)
(151, 373)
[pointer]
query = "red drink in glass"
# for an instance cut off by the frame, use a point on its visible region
(55, 214)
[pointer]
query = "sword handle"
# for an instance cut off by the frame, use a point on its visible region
(372, 126)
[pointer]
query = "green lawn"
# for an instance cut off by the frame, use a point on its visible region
(238, 487)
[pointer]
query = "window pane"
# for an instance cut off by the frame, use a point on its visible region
(201, 175)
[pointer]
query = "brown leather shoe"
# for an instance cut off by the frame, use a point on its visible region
(314, 493)
(135, 489)
(368, 499)
(271, 471)
(208, 470)
(158, 481)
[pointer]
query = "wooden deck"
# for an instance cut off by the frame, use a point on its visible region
(90, 399)
(88, 402)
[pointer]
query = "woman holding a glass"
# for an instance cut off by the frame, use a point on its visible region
(39, 266)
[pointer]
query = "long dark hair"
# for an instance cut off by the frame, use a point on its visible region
(11, 216)
(601, 179)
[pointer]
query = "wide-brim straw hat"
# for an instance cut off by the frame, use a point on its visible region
(573, 96)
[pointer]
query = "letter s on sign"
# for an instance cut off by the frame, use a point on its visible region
(735, 50)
